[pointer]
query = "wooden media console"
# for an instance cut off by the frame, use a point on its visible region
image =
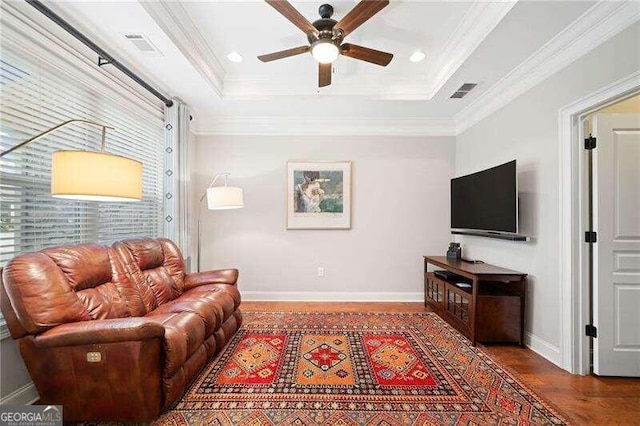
(486, 305)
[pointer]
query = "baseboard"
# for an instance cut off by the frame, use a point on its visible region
(543, 348)
(317, 296)
(25, 395)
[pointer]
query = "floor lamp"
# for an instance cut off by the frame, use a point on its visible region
(219, 198)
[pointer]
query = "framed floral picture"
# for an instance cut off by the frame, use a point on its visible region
(318, 195)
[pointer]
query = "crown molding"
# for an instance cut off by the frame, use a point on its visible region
(173, 19)
(407, 87)
(598, 24)
(477, 23)
(398, 126)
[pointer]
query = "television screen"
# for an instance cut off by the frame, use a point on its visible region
(486, 200)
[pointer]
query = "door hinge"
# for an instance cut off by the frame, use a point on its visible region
(591, 331)
(590, 143)
(590, 237)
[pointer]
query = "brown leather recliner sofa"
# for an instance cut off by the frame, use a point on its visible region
(116, 333)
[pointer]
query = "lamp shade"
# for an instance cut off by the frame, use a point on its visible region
(224, 198)
(95, 176)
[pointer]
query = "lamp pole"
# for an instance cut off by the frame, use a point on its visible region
(213, 181)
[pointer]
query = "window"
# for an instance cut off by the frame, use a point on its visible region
(35, 96)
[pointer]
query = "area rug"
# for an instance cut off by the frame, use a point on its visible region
(355, 369)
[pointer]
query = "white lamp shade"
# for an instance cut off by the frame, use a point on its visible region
(224, 198)
(95, 176)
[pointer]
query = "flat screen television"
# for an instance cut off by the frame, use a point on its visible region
(486, 201)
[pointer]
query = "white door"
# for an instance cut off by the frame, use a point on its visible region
(616, 292)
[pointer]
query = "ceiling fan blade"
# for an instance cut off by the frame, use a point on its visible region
(288, 11)
(284, 53)
(365, 54)
(359, 15)
(324, 75)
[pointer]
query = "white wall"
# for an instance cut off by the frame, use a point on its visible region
(400, 213)
(527, 130)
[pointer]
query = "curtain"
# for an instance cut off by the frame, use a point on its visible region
(177, 200)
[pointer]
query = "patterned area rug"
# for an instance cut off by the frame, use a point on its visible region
(355, 369)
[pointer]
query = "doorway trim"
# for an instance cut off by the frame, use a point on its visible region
(574, 303)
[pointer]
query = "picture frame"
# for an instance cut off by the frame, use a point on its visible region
(318, 195)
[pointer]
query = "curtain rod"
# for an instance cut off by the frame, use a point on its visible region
(104, 57)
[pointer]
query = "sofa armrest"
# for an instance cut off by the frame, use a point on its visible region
(223, 276)
(100, 331)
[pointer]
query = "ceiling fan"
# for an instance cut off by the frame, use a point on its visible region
(325, 36)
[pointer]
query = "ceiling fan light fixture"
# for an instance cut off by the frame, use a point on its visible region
(326, 36)
(325, 51)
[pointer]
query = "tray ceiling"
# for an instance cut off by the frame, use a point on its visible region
(478, 42)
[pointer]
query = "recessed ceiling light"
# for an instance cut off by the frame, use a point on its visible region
(417, 56)
(234, 57)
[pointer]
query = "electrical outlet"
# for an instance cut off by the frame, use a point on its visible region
(320, 271)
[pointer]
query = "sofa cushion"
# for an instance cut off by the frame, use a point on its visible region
(184, 334)
(225, 295)
(147, 301)
(173, 262)
(208, 309)
(104, 302)
(156, 268)
(222, 276)
(68, 284)
(84, 266)
(40, 294)
(147, 252)
(98, 279)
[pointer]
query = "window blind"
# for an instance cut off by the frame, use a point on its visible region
(35, 96)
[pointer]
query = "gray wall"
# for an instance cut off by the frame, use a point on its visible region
(400, 212)
(527, 129)
(16, 387)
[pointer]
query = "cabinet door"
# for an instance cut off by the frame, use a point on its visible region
(434, 292)
(458, 303)
(498, 318)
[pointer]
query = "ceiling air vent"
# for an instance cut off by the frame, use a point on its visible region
(463, 90)
(142, 43)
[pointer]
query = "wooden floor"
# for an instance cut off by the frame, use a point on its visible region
(585, 400)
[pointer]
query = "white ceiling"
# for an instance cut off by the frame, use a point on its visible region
(477, 42)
